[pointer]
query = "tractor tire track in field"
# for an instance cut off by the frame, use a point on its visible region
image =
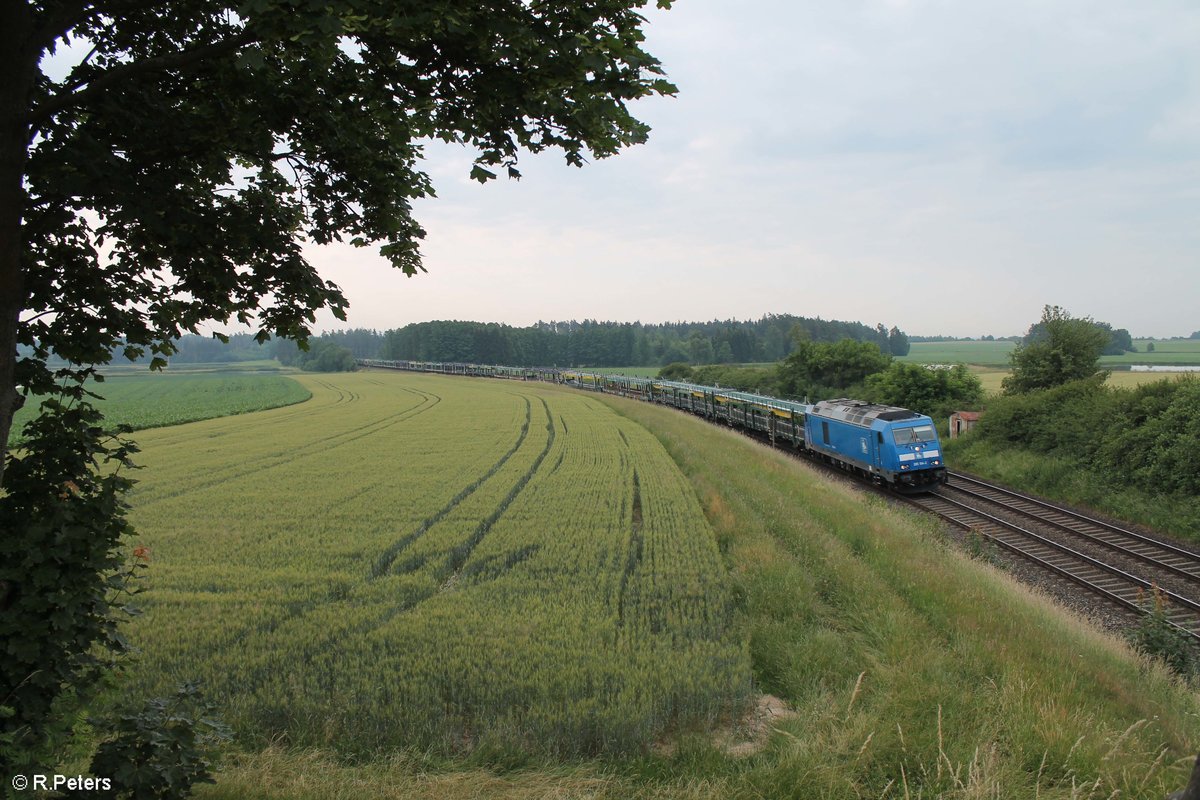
(485, 570)
(260, 426)
(384, 563)
(458, 557)
(314, 447)
(238, 423)
(492, 567)
(633, 559)
(452, 572)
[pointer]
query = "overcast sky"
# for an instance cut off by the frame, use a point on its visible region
(948, 167)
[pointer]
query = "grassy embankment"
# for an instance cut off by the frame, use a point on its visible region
(1064, 480)
(1130, 453)
(915, 671)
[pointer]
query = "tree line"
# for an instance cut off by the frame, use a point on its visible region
(816, 371)
(610, 344)
(587, 343)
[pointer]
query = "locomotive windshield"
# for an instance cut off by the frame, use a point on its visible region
(914, 435)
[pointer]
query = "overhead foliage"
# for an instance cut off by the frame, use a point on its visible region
(174, 176)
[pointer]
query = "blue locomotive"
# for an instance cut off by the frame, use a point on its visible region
(889, 445)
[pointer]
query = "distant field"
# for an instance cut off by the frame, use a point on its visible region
(144, 399)
(267, 366)
(434, 562)
(995, 354)
(1178, 351)
(981, 353)
(991, 378)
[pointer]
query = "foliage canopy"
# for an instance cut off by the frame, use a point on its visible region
(1059, 349)
(825, 369)
(936, 392)
(174, 176)
(1146, 437)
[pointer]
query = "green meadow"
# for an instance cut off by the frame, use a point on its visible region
(143, 399)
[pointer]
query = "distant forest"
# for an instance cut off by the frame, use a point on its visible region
(611, 344)
(564, 344)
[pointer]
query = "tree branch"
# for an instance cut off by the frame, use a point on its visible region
(59, 22)
(184, 58)
(55, 24)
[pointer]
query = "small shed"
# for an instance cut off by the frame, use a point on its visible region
(963, 421)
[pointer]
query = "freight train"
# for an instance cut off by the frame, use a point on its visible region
(888, 446)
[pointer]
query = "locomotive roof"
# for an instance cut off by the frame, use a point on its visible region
(860, 413)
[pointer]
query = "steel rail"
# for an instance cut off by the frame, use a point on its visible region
(1037, 515)
(924, 502)
(958, 476)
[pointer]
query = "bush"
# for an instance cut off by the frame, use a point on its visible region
(936, 392)
(161, 750)
(1147, 437)
(676, 371)
(1158, 638)
(63, 573)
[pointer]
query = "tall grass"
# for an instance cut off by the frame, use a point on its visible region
(916, 671)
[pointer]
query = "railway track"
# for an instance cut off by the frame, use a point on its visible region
(1123, 567)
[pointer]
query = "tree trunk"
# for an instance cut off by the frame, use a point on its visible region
(19, 56)
(1192, 791)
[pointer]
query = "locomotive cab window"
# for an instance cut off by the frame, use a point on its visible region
(924, 433)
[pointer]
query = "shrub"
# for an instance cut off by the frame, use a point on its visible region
(1158, 638)
(161, 750)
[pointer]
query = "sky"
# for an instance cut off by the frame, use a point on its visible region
(946, 167)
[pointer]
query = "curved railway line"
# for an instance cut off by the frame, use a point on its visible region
(1123, 567)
